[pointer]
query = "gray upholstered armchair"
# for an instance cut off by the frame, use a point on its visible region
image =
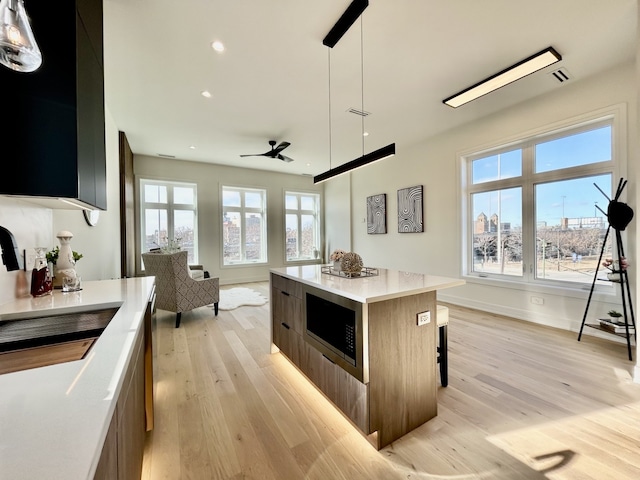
(176, 291)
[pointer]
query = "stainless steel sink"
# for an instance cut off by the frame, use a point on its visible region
(35, 342)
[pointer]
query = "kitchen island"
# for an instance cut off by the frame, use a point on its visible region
(367, 343)
(59, 421)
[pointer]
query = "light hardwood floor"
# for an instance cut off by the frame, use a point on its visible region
(523, 402)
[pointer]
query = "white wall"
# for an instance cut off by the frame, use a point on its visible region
(337, 216)
(434, 164)
(209, 180)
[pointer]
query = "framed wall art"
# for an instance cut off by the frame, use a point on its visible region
(410, 210)
(377, 214)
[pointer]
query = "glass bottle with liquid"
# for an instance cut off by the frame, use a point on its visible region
(41, 282)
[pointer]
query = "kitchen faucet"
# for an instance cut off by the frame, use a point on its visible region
(10, 255)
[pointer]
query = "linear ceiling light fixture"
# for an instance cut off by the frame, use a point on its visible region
(530, 65)
(379, 154)
(350, 15)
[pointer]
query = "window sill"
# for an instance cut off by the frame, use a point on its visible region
(245, 264)
(304, 261)
(600, 292)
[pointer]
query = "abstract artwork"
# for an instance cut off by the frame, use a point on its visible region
(377, 214)
(410, 210)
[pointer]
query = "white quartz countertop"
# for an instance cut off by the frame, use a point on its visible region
(54, 419)
(386, 285)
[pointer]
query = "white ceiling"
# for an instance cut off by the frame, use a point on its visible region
(273, 82)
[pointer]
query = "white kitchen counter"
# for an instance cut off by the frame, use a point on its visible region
(54, 419)
(386, 285)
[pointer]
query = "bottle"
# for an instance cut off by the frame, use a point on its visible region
(41, 283)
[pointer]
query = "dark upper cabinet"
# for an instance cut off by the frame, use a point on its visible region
(52, 131)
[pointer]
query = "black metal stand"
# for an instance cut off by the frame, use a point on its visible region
(625, 291)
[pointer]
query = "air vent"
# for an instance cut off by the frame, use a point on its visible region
(166, 156)
(561, 75)
(355, 111)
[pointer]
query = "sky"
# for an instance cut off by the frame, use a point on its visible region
(569, 198)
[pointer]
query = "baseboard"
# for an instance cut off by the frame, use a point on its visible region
(569, 325)
(250, 279)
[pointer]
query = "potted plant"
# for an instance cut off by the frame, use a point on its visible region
(52, 255)
(615, 316)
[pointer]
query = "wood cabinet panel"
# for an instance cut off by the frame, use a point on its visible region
(131, 421)
(123, 449)
(344, 390)
(402, 346)
(287, 285)
(107, 468)
(287, 308)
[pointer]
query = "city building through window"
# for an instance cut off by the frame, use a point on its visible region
(168, 211)
(302, 226)
(244, 225)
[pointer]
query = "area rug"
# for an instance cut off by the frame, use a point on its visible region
(239, 296)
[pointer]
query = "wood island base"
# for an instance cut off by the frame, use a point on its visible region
(397, 391)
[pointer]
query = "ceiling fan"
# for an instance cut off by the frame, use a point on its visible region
(274, 152)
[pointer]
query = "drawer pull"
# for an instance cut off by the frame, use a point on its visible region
(286, 326)
(285, 293)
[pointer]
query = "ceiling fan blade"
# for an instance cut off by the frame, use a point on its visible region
(274, 152)
(279, 148)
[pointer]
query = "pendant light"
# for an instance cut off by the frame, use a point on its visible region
(351, 14)
(18, 48)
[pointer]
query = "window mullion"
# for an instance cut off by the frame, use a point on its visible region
(528, 214)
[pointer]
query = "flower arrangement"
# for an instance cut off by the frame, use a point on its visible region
(614, 314)
(52, 255)
(337, 255)
(612, 264)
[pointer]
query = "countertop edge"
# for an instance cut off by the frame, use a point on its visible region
(350, 288)
(55, 419)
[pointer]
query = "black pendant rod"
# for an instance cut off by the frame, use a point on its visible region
(350, 15)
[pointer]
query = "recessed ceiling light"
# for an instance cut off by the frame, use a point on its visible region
(308, 164)
(365, 134)
(192, 147)
(206, 94)
(218, 46)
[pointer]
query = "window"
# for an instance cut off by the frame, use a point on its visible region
(535, 210)
(302, 226)
(244, 225)
(168, 213)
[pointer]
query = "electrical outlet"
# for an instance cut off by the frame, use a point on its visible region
(537, 300)
(424, 318)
